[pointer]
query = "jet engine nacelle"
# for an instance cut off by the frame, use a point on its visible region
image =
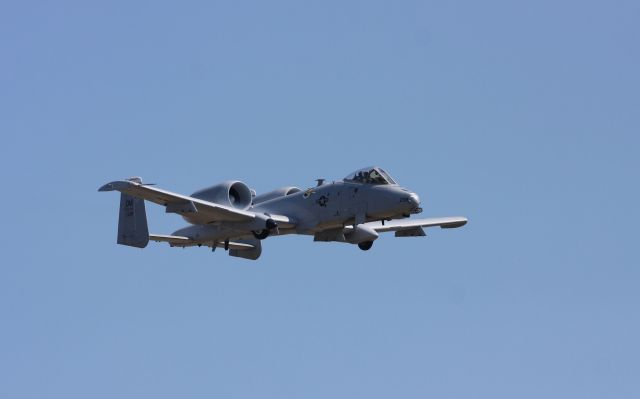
(281, 192)
(231, 193)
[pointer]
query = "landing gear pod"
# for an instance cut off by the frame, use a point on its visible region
(270, 225)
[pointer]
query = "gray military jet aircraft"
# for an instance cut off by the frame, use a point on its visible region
(230, 215)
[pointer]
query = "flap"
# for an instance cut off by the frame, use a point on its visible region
(411, 232)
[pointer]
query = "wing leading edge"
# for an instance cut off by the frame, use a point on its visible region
(204, 211)
(180, 241)
(178, 203)
(450, 222)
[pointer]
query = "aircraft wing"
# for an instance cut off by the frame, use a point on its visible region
(174, 241)
(177, 203)
(409, 224)
(180, 241)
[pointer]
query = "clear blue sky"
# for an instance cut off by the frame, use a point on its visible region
(522, 116)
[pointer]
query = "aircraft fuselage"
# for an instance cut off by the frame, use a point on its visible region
(330, 205)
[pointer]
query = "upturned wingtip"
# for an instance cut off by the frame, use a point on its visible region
(107, 187)
(117, 185)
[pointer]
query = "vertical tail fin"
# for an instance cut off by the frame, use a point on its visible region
(132, 223)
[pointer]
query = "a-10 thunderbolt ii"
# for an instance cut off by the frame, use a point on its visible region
(230, 215)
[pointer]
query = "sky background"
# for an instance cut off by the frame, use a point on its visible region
(522, 116)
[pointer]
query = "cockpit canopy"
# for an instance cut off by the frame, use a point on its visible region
(370, 175)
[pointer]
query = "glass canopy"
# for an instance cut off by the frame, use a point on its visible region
(370, 175)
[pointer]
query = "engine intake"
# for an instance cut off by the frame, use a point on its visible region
(232, 193)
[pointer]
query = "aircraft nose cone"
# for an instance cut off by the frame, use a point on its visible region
(414, 200)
